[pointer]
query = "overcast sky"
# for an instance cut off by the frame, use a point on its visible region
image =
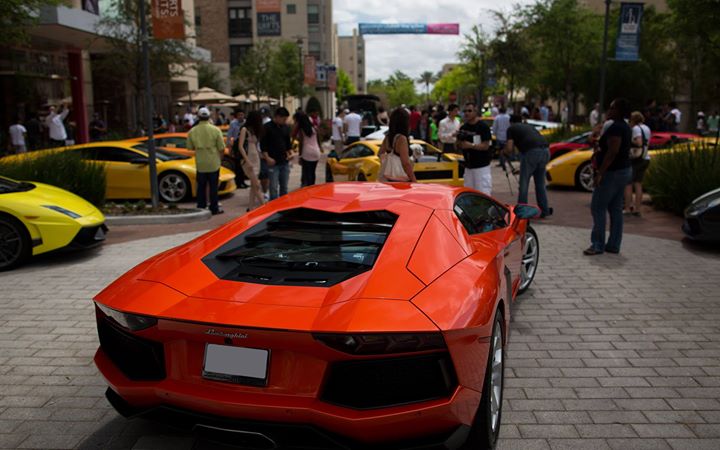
(413, 54)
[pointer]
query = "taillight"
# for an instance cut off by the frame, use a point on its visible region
(132, 322)
(379, 344)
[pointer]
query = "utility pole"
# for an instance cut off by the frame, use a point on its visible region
(302, 70)
(603, 62)
(148, 106)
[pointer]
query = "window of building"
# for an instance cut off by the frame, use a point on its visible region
(198, 21)
(314, 50)
(313, 28)
(237, 53)
(313, 14)
(239, 22)
(291, 8)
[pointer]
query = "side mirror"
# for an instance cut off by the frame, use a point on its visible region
(140, 161)
(527, 211)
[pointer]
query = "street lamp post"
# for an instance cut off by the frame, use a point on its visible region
(603, 62)
(148, 107)
(302, 70)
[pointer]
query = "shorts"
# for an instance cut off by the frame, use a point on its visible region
(264, 174)
(639, 167)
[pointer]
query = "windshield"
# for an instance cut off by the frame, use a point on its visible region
(303, 246)
(8, 186)
(162, 155)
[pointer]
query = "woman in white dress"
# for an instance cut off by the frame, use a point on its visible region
(249, 151)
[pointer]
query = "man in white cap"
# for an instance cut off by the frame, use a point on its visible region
(207, 141)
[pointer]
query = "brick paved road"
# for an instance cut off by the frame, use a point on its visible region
(616, 352)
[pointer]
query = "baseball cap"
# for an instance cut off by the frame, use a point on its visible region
(203, 113)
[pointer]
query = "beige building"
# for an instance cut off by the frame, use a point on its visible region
(228, 28)
(351, 59)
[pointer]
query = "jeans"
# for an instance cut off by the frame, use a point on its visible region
(532, 164)
(608, 197)
(205, 180)
(307, 176)
(279, 175)
(352, 140)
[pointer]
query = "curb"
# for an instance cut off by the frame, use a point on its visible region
(196, 215)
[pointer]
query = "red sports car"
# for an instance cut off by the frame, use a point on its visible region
(353, 315)
(578, 142)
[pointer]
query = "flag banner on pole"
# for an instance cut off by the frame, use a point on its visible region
(627, 47)
(310, 71)
(168, 20)
(332, 78)
(268, 17)
(409, 28)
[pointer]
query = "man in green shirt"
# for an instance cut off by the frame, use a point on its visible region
(207, 141)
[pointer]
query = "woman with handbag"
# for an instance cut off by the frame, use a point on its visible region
(395, 150)
(310, 148)
(249, 155)
(639, 160)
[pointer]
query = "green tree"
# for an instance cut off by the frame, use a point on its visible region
(254, 73)
(209, 76)
(345, 85)
(401, 90)
(458, 80)
(566, 38)
(511, 51)
(18, 16)
(427, 78)
(475, 54)
(286, 71)
(124, 62)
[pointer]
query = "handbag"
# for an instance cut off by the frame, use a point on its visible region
(639, 152)
(393, 169)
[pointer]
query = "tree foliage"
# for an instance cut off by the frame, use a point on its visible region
(209, 76)
(399, 89)
(427, 78)
(269, 68)
(458, 80)
(17, 16)
(345, 85)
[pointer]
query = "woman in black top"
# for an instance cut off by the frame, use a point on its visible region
(613, 173)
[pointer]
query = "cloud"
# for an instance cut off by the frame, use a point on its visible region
(413, 54)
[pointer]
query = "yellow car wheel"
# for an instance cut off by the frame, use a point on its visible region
(173, 187)
(585, 177)
(15, 246)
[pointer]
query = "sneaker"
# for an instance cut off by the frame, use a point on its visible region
(591, 252)
(219, 211)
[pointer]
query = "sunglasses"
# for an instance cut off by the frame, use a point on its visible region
(469, 110)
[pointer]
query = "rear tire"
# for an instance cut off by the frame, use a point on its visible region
(15, 245)
(584, 177)
(486, 427)
(362, 177)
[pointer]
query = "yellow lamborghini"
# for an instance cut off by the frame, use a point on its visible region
(574, 168)
(37, 218)
(360, 162)
(128, 173)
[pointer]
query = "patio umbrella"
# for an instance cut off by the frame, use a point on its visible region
(207, 96)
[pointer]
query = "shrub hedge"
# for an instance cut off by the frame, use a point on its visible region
(66, 170)
(677, 177)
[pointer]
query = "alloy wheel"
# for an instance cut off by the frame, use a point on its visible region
(496, 379)
(529, 260)
(587, 178)
(173, 187)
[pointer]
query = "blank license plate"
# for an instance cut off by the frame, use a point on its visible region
(236, 364)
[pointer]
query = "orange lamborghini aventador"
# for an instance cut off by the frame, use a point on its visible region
(352, 315)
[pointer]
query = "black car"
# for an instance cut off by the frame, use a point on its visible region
(702, 218)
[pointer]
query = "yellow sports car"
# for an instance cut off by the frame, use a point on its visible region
(37, 218)
(360, 162)
(128, 173)
(574, 168)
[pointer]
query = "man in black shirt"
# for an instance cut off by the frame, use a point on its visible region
(276, 146)
(534, 156)
(474, 140)
(613, 173)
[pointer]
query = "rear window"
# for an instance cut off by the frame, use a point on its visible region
(304, 247)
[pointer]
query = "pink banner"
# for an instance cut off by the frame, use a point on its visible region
(443, 28)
